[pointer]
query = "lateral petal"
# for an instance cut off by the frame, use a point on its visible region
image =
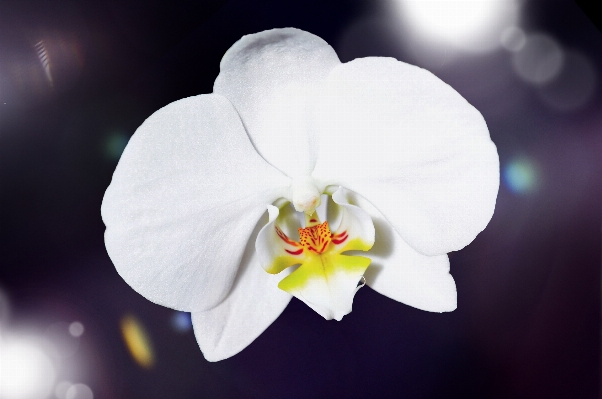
(186, 194)
(276, 251)
(411, 145)
(254, 302)
(403, 274)
(356, 230)
(268, 76)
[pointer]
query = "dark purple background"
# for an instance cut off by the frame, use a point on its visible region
(528, 317)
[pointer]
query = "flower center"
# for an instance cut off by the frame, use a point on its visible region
(316, 236)
(306, 196)
(326, 278)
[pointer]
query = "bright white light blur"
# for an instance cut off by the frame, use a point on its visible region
(513, 38)
(79, 391)
(540, 59)
(76, 329)
(573, 87)
(26, 372)
(472, 25)
(60, 391)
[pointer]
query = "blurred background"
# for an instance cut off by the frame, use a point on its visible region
(77, 79)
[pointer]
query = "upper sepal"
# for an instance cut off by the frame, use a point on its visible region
(269, 77)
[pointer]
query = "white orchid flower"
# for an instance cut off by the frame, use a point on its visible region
(399, 161)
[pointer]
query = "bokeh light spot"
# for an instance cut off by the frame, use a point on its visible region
(513, 39)
(181, 321)
(540, 59)
(79, 391)
(469, 25)
(26, 372)
(137, 341)
(520, 176)
(76, 329)
(60, 390)
(573, 87)
(115, 144)
(60, 340)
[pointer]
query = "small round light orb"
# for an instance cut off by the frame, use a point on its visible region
(181, 321)
(520, 176)
(76, 329)
(60, 390)
(574, 86)
(79, 391)
(60, 341)
(513, 39)
(540, 59)
(115, 144)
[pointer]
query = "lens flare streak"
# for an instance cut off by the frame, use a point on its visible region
(44, 60)
(137, 341)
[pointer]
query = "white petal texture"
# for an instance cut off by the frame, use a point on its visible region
(286, 126)
(184, 199)
(412, 146)
(403, 274)
(254, 302)
(268, 76)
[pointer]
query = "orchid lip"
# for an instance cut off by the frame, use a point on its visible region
(326, 279)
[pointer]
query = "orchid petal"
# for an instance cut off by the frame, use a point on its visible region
(268, 77)
(403, 274)
(185, 196)
(327, 283)
(276, 251)
(356, 229)
(252, 305)
(412, 146)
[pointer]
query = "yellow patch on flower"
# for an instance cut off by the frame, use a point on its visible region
(326, 278)
(324, 268)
